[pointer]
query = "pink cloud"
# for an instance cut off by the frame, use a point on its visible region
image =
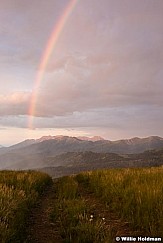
(15, 103)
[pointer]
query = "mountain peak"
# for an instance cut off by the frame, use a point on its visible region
(97, 138)
(44, 138)
(93, 139)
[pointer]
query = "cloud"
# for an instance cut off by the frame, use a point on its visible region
(86, 84)
(111, 123)
(121, 65)
(25, 29)
(16, 103)
(105, 71)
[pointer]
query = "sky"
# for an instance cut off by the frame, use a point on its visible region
(103, 74)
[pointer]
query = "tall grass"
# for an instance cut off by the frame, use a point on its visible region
(18, 192)
(136, 195)
(74, 215)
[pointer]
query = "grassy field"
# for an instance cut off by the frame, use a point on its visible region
(90, 207)
(134, 195)
(18, 192)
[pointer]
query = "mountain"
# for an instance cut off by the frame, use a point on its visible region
(61, 144)
(2, 148)
(32, 141)
(38, 153)
(154, 156)
(22, 144)
(28, 142)
(69, 159)
(73, 163)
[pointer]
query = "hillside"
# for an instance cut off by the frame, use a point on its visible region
(73, 163)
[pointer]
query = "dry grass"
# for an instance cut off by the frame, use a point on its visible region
(136, 195)
(18, 192)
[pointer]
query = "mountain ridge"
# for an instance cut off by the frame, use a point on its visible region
(83, 138)
(33, 153)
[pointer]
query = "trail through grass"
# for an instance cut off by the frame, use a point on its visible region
(90, 207)
(40, 227)
(79, 220)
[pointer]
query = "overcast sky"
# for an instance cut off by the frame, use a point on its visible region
(104, 76)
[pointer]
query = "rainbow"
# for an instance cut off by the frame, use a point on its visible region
(46, 56)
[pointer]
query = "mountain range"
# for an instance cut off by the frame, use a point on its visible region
(64, 151)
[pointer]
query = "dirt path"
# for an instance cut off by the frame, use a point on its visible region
(39, 227)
